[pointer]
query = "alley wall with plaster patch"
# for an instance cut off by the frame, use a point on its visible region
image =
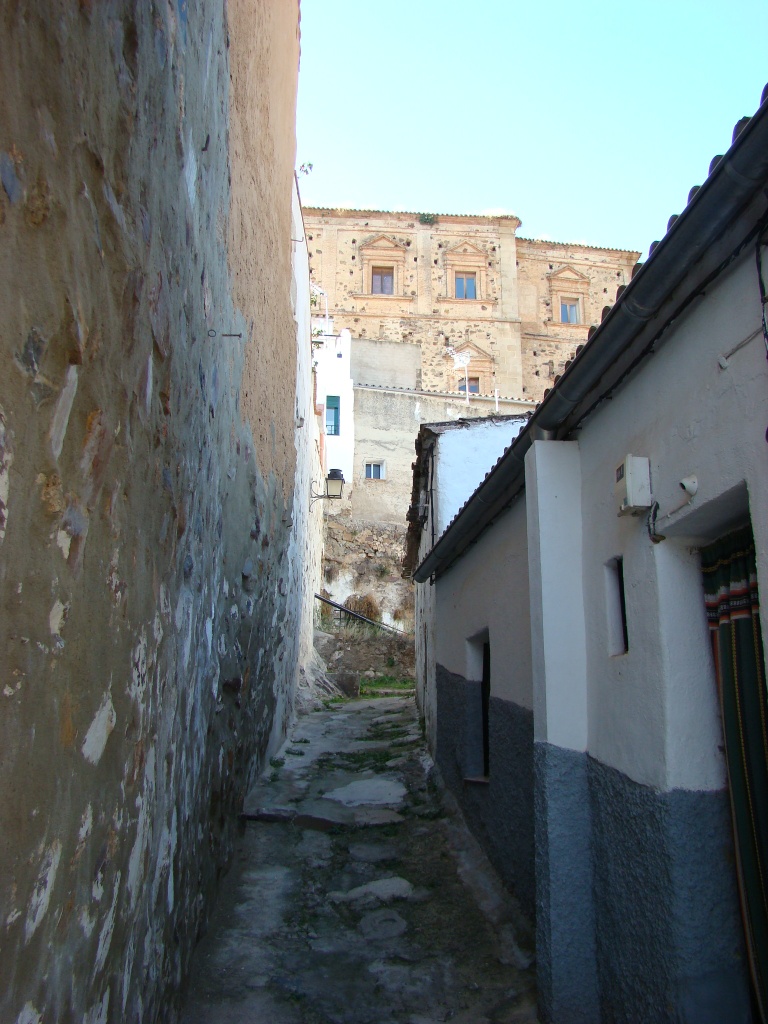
(150, 434)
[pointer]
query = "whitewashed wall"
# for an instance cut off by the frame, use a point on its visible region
(650, 801)
(464, 456)
(334, 377)
(498, 566)
(306, 544)
(652, 711)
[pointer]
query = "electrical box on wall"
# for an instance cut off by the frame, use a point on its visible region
(632, 485)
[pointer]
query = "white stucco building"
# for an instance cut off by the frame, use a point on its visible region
(567, 676)
(373, 407)
(335, 395)
(305, 549)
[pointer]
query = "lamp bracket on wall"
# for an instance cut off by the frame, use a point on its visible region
(334, 487)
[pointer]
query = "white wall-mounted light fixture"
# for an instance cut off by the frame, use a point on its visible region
(334, 487)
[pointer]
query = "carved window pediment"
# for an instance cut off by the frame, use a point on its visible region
(476, 353)
(467, 252)
(383, 243)
(479, 368)
(466, 258)
(379, 256)
(569, 277)
(568, 293)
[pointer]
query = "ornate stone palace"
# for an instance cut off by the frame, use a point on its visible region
(463, 285)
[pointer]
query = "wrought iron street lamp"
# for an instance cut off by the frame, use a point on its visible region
(334, 487)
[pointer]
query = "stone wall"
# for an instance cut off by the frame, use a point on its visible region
(512, 330)
(345, 244)
(147, 476)
(548, 272)
(364, 559)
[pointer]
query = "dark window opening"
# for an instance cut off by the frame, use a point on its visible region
(485, 694)
(616, 607)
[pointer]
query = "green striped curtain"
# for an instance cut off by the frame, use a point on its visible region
(730, 586)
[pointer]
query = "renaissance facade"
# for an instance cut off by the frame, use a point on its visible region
(491, 313)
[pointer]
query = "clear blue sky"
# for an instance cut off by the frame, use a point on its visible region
(588, 119)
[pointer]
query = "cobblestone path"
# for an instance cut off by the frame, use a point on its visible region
(358, 896)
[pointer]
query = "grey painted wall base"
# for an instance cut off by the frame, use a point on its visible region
(637, 914)
(632, 890)
(499, 812)
(565, 918)
(669, 937)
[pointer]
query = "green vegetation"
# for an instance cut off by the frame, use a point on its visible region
(332, 702)
(381, 686)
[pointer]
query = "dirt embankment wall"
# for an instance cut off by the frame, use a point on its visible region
(146, 478)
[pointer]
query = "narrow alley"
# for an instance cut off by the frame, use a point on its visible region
(241, 406)
(357, 894)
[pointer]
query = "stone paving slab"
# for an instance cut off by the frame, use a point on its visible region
(358, 895)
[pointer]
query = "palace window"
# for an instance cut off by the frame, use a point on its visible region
(332, 422)
(382, 280)
(474, 385)
(466, 285)
(569, 311)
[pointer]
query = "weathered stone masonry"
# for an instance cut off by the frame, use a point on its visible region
(146, 480)
(512, 329)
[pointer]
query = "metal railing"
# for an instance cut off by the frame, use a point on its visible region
(345, 614)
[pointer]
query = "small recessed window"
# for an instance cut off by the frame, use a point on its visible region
(474, 385)
(616, 607)
(374, 471)
(383, 280)
(466, 286)
(332, 421)
(477, 751)
(569, 311)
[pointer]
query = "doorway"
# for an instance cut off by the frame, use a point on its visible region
(732, 602)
